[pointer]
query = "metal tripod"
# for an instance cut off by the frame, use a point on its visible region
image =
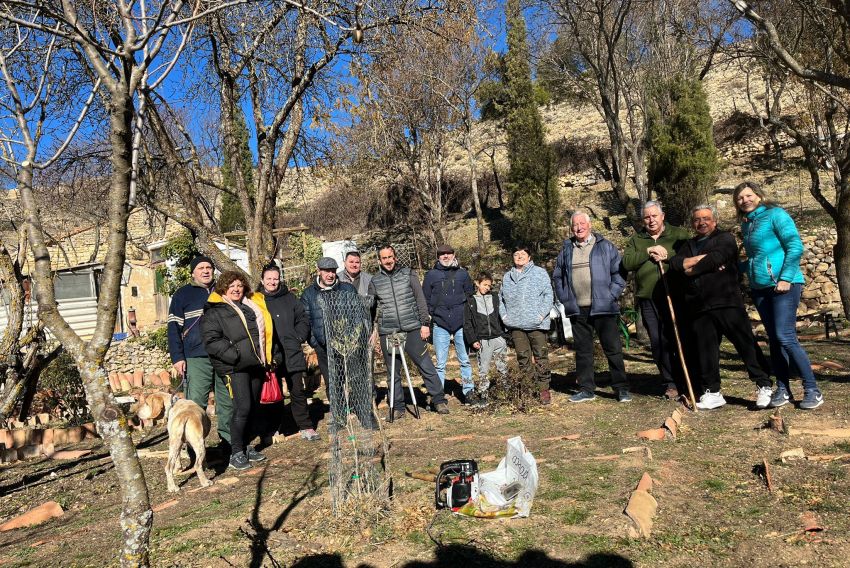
(397, 342)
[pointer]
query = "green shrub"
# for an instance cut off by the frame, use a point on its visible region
(156, 339)
(61, 392)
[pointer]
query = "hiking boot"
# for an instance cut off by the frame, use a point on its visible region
(253, 455)
(811, 400)
(780, 397)
(582, 396)
(671, 393)
(441, 408)
(763, 397)
(711, 400)
(624, 396)
(399, 413)
(471, 399)
(239, 461)
(545, 396)
(310, 435)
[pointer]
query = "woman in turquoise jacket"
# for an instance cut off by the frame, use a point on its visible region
(774, 249)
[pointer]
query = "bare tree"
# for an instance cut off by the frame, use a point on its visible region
(272, 60)
(807, 43)
(597, 50)
(458, 74)
(124, 50)
(412, 111)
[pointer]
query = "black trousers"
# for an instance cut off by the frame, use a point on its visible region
(245, 421)
(417, 350)
(655, 315)
(298, 399)
(608, 331)
(708, 329)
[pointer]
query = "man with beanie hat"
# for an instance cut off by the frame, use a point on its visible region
(446, 287)
(186, 346)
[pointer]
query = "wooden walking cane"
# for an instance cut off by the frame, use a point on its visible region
(678, 340)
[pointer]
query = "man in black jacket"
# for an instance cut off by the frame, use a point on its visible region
(709, 262)
(291, 329)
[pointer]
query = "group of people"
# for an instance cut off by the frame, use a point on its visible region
(698, 278)
(223, 338)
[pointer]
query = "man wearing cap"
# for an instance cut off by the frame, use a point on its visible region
(186, 346)
(404, 314)
(326, 281)
(352, 274)
(446, 287)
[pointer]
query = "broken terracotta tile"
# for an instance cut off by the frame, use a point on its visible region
(653, 434)
(677, 416)
(791, 455)
(641, 509)
(36, 516)
(164, 505)
(645, 483)
(671, 427)
(810, 522)
(69, 454)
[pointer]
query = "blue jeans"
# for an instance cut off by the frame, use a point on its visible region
(779, 315)
(442, 338)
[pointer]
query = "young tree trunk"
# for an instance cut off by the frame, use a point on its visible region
(841, 251)
(499, 191)
(473, 184)
(136, 514)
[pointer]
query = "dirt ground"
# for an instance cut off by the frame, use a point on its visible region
(713, 504)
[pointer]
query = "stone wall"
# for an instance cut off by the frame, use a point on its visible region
(129, 356)
(820, 293)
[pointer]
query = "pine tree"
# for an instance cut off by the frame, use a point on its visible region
(532, 178)
(232, 218)
(683, 161)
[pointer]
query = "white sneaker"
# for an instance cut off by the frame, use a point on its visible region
(763, 397)
(711, 400)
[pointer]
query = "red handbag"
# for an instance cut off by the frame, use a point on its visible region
(271, 392)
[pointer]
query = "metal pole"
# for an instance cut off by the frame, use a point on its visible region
(678, 340)
(392, 379)
(410, 385)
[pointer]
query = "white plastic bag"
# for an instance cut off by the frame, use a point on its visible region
(507, 491)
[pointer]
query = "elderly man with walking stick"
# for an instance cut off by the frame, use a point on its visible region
(647, 254)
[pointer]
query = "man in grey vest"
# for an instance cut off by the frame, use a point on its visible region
(403, 313)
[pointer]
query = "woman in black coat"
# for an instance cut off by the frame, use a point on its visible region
(291, 330)
(237, 334)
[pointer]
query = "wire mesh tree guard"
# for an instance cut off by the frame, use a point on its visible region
(358, 452)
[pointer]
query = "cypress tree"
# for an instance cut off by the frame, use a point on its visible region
(231, 217)
(683, 162)
(531, 180)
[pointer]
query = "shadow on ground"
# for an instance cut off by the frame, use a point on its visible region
(470, 557)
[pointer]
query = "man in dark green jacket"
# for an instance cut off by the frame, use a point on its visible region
(644, 253)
